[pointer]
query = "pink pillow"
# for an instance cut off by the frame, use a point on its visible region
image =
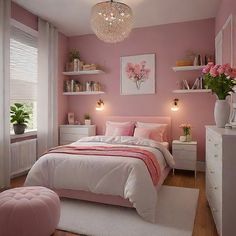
(119, 128)
(159, 131)
(142, 132)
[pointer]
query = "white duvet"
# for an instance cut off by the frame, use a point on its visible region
(119, 176)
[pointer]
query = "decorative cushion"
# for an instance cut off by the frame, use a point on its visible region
(142, 132)
(119, 128)
(158, 130)
(29, 211)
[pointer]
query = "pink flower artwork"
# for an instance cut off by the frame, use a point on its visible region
(138, 73)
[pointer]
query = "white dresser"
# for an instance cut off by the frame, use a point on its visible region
(221, 177)
(185, 155)
(71, 133)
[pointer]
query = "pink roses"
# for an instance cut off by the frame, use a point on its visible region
(137, 72)
(216, 70)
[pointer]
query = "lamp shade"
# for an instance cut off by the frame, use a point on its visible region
(111, 21)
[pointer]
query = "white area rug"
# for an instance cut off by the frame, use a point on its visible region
(175, 216)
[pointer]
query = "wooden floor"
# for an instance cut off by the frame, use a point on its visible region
(204, 224)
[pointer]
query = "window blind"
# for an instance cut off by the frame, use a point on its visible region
(23, 65)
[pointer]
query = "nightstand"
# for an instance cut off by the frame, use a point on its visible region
(185, 155)
(71, 133)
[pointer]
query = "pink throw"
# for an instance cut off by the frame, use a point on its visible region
(133, 152)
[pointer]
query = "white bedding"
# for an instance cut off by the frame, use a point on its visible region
(119, 176)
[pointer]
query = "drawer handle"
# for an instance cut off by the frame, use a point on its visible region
(216, 156)
(212, 172)
(209, 140)
(216, 144)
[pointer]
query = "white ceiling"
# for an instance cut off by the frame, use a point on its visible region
(72, 16)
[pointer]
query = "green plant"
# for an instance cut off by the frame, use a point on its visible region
(18, 114)
(220, 79)
(74, 54)
(87, 117)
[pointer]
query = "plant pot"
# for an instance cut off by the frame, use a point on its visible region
(221, 113)
(185, 138)
(87, 122)
(19, 128)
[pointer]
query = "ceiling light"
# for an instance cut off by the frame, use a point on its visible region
(111, 21)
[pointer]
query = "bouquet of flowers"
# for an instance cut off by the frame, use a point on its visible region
(186, 129)
(220, 79)
(138, 73)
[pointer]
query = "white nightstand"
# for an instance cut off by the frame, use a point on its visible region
(185, 155)
(71, 133)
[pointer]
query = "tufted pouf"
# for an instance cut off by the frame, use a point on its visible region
(29, 211)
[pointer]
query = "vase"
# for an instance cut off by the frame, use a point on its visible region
(185, 138)
(221, 113)
(87, 122)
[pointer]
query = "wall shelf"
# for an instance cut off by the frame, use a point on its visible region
(192, 91)
(83, 72)
(83, 93)
(187, 68)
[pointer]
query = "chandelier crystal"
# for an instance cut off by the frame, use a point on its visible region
(111, 21)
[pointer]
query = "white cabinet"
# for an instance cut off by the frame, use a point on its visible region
(71, 133)
(220, 177)
(185, 155)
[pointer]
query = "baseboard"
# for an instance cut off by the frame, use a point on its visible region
(201, 166)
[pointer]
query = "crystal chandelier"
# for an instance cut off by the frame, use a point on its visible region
(111, 21)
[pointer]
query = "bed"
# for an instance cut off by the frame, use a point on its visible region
(118, 170)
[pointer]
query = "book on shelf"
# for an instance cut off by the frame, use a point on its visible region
(185, 84)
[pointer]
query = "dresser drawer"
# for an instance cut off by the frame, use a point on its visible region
(68, 130)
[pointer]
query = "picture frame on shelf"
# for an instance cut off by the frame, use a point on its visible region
(71, 118)
(137, 74)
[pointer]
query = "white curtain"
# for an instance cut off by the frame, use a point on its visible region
(47, 120)
(5, 6)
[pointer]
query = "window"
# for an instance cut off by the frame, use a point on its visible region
(24, 72)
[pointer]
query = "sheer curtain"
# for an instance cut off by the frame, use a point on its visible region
(47, 124)
(5, 6)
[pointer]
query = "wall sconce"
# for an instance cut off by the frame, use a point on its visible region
(175, 106)
(100, 105)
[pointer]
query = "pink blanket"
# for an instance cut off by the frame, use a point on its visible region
(147, 157)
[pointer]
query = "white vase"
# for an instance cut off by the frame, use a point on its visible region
(221, 113)
(87, 122)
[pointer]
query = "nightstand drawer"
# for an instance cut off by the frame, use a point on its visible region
(180, 154)
(186, 147)
(185, 165)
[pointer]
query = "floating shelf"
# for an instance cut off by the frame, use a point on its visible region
(192, 91)
(187, 68)
(83, 72)
(83, 93)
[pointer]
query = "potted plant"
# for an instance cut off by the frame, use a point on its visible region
(87, 119)
(187, 133)
(19, 118)
(221, 80)
(74, 59)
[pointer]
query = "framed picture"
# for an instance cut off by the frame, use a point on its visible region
(138, 74)
(71, 118)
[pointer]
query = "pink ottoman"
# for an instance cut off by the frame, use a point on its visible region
(29, 211)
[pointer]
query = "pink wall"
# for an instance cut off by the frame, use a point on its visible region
(27, 18)
(169, 43)
(226, 8)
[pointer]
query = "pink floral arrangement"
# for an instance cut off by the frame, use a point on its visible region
(220, 79)
(186, 128)
(138, 73)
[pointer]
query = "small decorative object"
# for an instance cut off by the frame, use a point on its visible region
(71, 118)
(75, 62)
(111, 21)
(175, 106)
(19, 117)
(87, 119)
(100, 105)
(187, 133)
(221, 80)
(138, 74)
